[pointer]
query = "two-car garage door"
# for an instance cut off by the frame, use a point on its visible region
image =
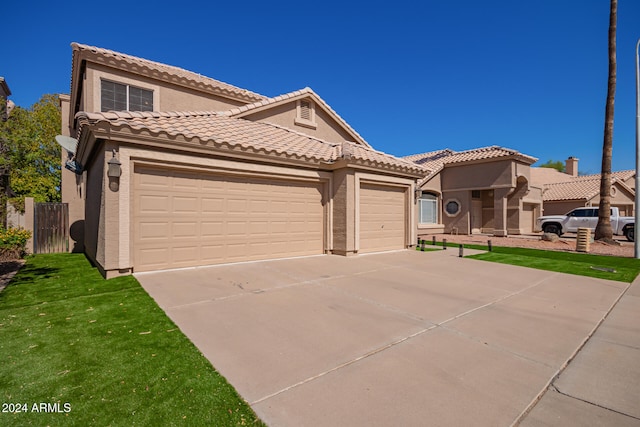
(183, 218)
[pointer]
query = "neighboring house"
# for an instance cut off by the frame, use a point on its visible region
(4, 89)
(180, 170)
(5, 187)
(5, 105)
(563, 192)
(484, 190)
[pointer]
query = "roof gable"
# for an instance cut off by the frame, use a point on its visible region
(273, 103)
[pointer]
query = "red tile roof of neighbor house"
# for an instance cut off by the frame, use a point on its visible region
(166, 72)
(235, 134)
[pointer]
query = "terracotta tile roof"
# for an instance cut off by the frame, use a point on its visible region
(233, 134)
(167, 72)
(561, 186)
(287, 97)
(448, 156)
(572, 190)
(493, 152)
(435, 161)
(620, 175)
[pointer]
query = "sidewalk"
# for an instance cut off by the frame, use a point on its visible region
(601, 385)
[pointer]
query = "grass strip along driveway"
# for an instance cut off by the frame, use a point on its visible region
(76, 349)
(598, 266)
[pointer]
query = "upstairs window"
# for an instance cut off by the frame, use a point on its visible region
(120, 97)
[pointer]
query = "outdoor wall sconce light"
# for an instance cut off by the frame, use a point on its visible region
(113, 172)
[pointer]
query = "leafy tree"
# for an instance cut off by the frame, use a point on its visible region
(29, 149)
(603, 229)
(554, 164)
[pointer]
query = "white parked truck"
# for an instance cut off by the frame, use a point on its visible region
(586, 218)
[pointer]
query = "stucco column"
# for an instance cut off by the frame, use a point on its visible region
(111, 230)
(344, 212)
(500, 205)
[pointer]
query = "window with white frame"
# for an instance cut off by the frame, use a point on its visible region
(428, 208)
(121, 97)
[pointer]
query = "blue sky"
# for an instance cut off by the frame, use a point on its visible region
(410, 77)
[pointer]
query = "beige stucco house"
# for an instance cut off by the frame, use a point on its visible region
(562, 192)
(484, 190)
(494, 190)
(173, 169)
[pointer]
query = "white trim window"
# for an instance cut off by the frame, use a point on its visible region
(121, 97)
(428, 208)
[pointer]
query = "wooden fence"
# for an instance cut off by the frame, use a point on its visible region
(51, 228)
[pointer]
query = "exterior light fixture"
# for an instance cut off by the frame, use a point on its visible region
(114, 167)
(113, 172)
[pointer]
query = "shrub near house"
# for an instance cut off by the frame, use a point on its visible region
(13, 242)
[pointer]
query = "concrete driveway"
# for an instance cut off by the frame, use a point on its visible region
(400, 338)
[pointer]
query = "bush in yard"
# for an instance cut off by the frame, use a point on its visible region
(13, 242)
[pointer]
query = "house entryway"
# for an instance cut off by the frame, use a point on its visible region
(476, 216)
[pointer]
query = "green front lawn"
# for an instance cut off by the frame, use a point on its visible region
(600, 266)
(76, 349)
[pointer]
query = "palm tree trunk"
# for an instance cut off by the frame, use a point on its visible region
(603, 229)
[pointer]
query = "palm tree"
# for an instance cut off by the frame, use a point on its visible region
(603, 229)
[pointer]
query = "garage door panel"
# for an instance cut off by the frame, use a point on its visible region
(200, 219)
(212, 205)
(183, 254)
(186, 205)
(382, 217)
(185, 181)
(153, 231)
(237, 206)
(212, 253)
(211, 229)
(185, 230)
(153, 180)
(154, 204)
(154, 257)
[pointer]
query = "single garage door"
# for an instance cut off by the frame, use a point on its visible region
(184, 219)
(382, 218)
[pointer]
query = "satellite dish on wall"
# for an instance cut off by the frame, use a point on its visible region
(73, 166)
(68, 143)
